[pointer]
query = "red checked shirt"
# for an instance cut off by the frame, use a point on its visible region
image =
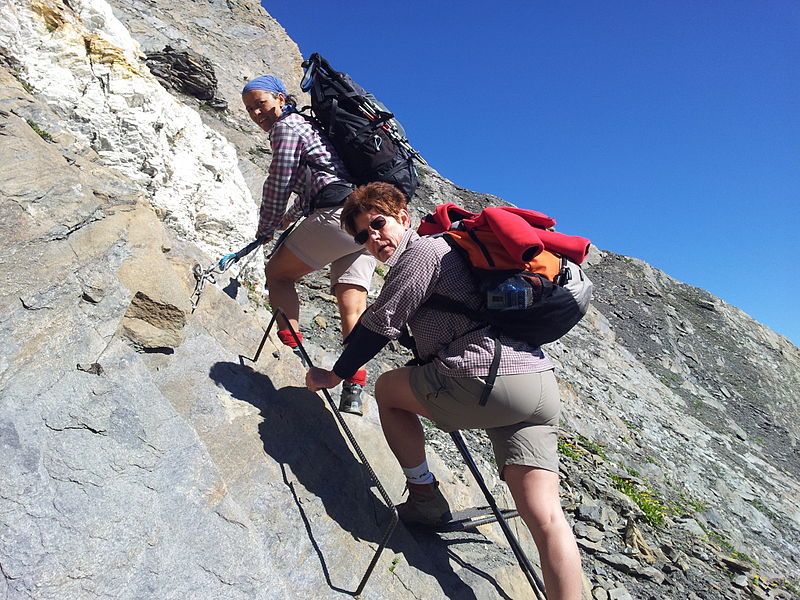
(295, 144)
(423, 266)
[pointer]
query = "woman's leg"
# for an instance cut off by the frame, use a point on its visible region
(352, 301)
(398, 408)
(283, 270)
(536, 496)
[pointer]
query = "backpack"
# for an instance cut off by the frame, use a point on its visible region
(365, 135)
(529, 277)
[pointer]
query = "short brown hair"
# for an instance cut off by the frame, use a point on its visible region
(378, 196)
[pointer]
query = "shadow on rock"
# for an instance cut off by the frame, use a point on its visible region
(300, 433)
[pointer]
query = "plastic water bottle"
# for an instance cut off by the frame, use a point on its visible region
(513, 293)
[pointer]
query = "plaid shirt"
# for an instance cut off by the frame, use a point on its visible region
(295, 144)
(423, 266)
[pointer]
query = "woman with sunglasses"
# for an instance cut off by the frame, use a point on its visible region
(304, 162)
(521, 414)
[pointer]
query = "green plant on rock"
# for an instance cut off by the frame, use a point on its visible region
(759, 505)
(742, 556)
(791, 587)
(719, 540)
(570, 450)
(257, 152)
(670, 379)
(646, 499)
(686, 505)
(592, 446)
(393, 566)
(254, 294)
(631, 425)
(41, 132)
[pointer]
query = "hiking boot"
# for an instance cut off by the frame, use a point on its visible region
(425, 505)
(350, 401)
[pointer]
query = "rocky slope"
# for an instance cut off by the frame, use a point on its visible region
(147, 456)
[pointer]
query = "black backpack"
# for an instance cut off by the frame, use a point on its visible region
(366, 136)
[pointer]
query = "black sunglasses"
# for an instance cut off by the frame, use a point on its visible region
(362, 236)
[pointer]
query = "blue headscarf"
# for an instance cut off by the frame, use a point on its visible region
(267, 83)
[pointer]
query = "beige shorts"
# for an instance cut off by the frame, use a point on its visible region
(319, 240)
(520, 417)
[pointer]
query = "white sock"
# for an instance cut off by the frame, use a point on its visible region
(419, 474)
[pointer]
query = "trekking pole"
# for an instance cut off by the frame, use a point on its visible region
(355, 446)
(524, 563)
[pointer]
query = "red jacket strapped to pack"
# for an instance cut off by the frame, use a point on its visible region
(523, 233)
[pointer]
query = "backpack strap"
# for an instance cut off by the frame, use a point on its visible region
(495, 366)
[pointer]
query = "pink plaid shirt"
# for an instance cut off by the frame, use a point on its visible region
(296, 143)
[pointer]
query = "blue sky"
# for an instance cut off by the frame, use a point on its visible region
(666, 131)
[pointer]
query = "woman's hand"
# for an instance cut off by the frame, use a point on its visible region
(317, 379)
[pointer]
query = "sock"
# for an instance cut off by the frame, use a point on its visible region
(287, 338)
(419, 475)
(360, 377)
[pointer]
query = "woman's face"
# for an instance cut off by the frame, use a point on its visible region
(263, 107)
(382, 243)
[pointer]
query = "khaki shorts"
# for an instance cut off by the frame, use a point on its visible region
(319, 240)
(520, 417)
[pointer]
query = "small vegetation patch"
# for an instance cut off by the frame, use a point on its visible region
(631, 425)
(41, 132)
(744, 558)
(393, 566)
(670, 379)
(591, 446)
(258, 152)
(570, 450)
(791, 586)
(719, 540)
(686, 505)
(255, 295)
(759, 505)
(648, 501)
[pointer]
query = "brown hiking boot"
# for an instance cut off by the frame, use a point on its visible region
(425, 505)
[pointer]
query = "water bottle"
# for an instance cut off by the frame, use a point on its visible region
(514, 293)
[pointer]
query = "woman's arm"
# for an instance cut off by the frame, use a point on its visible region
(287, 147)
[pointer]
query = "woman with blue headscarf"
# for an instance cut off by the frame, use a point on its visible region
(305, 163)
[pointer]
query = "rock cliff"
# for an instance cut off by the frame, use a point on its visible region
(147, 455)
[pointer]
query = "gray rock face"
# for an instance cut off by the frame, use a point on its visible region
(145, 454)
(188, 73)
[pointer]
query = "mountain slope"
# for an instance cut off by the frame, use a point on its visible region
(146, 454)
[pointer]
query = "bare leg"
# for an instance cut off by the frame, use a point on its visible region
(352, 300)
(282, 271)
(535, 493)
(398, 408)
